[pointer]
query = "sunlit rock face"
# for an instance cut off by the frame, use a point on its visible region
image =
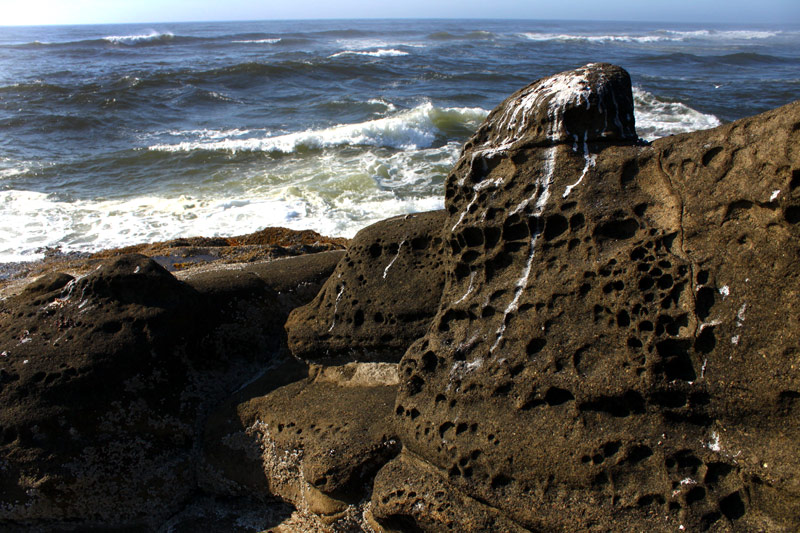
(381, 297)
(600, 358)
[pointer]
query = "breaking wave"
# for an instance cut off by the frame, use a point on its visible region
(657, 118)
(413, 129)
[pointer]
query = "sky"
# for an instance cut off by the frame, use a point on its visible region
(748, 12)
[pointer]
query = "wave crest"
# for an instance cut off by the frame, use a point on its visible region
(413, 129)
(383, 52)
(656, 118)
(654, 36)
(152, 37)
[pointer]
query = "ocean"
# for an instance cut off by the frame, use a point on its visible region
(122, 134)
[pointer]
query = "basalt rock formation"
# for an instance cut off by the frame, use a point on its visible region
(381, 296)
(616, 347)
(105, 380)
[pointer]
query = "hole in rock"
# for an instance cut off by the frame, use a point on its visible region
(473, 236)
(554, 226)
(629, 171)
(795, 179)
(535, 346)
(617, 229)
(639, 453)
(732, 506)
(557, 396)
(491, 237)
(695, 495)
(709, 156)
(716, 471)
(792, 214)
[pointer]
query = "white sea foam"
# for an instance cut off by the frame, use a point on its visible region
(595, 38)
(132, 39)
(206, 134)
(723, 34)
(380, 101)
(654, 36)
(334, 195)
(259, 41)
(382, 52)
(656, 118)
(408, 130)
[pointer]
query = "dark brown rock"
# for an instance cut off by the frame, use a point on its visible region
(590, 104)
(94, 406)
(616, 347)
(315, 443)
(106, 378)
(381, 296)
(438, 507)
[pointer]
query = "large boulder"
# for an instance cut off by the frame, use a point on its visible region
(616, 347)
(381, 296)
(105, 380)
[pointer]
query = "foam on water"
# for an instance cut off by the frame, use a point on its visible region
(655, 36)
(139, 142)
(133, 39)
(656, 118)
(259, 41)
(327, 193)
(408, 130)
(390, 174)
(382, 52)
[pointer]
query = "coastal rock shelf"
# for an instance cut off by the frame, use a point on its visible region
(595, 334)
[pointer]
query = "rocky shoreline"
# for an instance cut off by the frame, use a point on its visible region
(595, 334)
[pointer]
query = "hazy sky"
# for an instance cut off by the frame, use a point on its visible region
(15, 12)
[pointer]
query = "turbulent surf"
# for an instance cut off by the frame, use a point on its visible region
(114, 135)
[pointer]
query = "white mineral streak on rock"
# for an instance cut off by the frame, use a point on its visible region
(725, 291)
(477, 190)
(714, 445)
(555, 93)
(705, 325)
(462, 368)
(386, 270)
(740, 314)
(543, 192)
(336, 306)
(775, 195)
(469, 289)
(464, 211)
(590, 162)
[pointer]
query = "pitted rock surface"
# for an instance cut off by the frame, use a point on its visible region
(316, 442)
(87, 421)
(105, 380)
(616, 347)
(593, 103)
(381, 296)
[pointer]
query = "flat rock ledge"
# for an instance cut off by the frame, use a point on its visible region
(595, 334)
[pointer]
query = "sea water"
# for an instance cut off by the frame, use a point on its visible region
(122, 134)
